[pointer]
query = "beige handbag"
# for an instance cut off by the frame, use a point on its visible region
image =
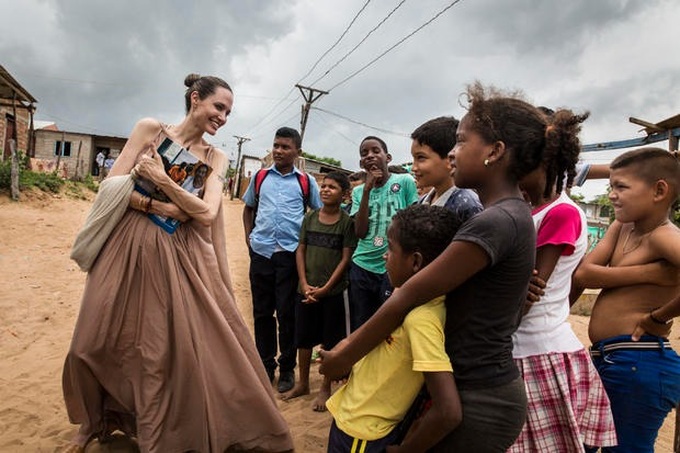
(109, 206)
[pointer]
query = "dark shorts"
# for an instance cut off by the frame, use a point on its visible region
(340, 442)
(367, 292)
(322, 322)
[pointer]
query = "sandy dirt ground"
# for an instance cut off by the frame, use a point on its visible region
(39, 301)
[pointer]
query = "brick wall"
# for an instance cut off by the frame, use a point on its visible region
(45, 142)
(22, 124)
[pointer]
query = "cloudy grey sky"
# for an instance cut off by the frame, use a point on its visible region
(98, 66)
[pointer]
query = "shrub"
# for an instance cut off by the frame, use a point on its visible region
(48, 182)
(90, 183)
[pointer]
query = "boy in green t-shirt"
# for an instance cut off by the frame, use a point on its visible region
(373, 205)
(327, 241)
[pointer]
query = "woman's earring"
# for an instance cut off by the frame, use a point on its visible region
(486, 162)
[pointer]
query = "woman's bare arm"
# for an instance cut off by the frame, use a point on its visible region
(203, 210)
(143, 139)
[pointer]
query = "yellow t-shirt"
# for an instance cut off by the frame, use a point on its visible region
(383, 385)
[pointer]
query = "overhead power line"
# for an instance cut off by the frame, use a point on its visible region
(387, 131)
(252, 96)
(342, 35)
(360, 42)
(82, 126)
(287, 122)
(270, 111)
(334, 128)
(355, 73)
(261, 123)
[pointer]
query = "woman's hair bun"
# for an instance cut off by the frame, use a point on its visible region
(191, 79)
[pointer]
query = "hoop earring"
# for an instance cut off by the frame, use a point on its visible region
(486, 162)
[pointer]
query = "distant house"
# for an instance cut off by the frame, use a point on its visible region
(249, 165)
(598, 217)
(76, 151)
(596, 212)
(16, 116)
(318, 167)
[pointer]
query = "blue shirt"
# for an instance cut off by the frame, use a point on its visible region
(280, 211)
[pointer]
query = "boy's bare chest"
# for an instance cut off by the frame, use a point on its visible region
(632, 249)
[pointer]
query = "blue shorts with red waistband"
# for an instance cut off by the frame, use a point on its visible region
(642, 380)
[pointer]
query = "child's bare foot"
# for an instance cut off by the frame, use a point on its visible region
(321, 398)
(299, 390)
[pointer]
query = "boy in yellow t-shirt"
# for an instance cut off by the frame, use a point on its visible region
(382, 386)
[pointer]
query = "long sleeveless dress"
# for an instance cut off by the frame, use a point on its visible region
(160, 350)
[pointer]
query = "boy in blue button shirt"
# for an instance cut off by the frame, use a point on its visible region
(272, 240)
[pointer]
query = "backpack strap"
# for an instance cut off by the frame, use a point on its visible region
(259, 178)
(303, 181)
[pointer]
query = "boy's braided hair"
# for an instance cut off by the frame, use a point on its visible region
(562, 149)
(532, 136)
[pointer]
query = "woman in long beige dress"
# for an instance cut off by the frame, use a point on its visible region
(160, 350)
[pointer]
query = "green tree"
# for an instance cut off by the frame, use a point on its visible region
(606, 208)
(328, 160)
(577, 197)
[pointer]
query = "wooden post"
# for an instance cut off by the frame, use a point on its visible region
(79, 164)
(61, 151)
(14, 171)
(310, 95)
(31, 133)
(236, 184)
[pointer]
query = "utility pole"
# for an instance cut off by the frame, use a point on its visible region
(311, 95)
(236, 185)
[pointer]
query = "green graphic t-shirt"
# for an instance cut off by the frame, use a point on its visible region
(397, 193)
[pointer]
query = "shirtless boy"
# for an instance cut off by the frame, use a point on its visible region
(637, 265)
